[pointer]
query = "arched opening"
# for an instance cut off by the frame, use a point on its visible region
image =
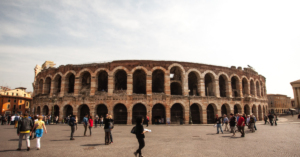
(138, 110)
(38, 110)
(195, 111)
(57, 84)
(158, 81)
(176, 81)
(83, 110)
(176, 114)
(176, 88)
(210, 114)
(225, 109)
(85, 83)
(120, 114)
(235, 86)
(158, 113)
(56, 110)
(48, 85)
(101, 110)
(237, 109)
(45, 110)
(68, 110)
(193, 83)
(209, 85)
(254, 111)
(40, 87)
(262, 88)
(245, 87)
(70, 83)
(103, 81)
(257, 89)
(222, 86)
(252, 88)
(120, 80)
(260, 114)
(247, 109)
(139, 82)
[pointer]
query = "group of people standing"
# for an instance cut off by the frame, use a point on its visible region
(237, 122)
(271, 119)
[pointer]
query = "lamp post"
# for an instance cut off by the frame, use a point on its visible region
(190, 112)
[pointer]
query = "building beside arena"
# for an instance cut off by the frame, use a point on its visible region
(166, 90)
(279, 103)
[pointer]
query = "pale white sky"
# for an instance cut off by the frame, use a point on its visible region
(263, 34)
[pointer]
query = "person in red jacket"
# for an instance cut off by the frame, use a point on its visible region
(241, 125)
(91, 122)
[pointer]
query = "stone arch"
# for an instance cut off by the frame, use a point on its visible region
(177, 113)
(247, 109)
(101, 110)
(159, 68)
(45, 110)
(177, 79)
(197, 113)
(120, 113)
(225, 109)
(210, 86)
(252, 87)
(139, 81)
(245, 86)
(47, 84)
(67, 110)
(83, 110)
(69, 78)
(82, 71)
(120, 79)
(211, 111)
(223, 85)
(254, 110)
(85, 79)
(194, 76)
(158, 112)
(260, 113)
(257, 86)
(41, 86)
(57, 82)
(158, 81)
(178, 65)
(38, 110)
(139, 68)
(237, 108)
(235, 85)
(139, 109)
(56, 110)
(102, 79)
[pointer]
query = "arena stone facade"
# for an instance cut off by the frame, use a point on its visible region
(159, 89)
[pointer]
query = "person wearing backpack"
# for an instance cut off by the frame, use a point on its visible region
(72, 124)
(140, 135)
(108, 124)
(24, 127)
(40, 127)
(111, 126)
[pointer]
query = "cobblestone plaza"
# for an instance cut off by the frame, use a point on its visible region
(163, 141)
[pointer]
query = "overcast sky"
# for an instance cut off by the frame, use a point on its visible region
(263, 34)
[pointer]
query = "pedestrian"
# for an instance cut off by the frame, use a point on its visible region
(241, 125)
(91, 122)
(107, 129)
(251, 123)
(225, 121)
(85, 123)
(292, 113)
(140, 135)
(147, 121)
(255, 122)
(271, 117)
(56, 119)
(3, 119)
(266, 119)
(111, 127)
(275, 119)
(12, 121)
(72, 124)
(101, 121)
(39, 127)
(299, 116)
(247, 121)
(24, 127)
(35, 119)
(232, 124)
(218, 121)
(96, 120)
(8, 120)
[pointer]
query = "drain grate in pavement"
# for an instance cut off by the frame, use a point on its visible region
(89, 148)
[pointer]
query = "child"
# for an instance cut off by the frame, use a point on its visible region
(40, 127)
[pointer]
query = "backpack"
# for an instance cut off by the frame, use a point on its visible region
(71, 123)
(133, 130)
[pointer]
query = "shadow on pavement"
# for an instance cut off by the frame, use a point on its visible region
(12, 150)
(61, 140)
(15, 139)
(89, 145)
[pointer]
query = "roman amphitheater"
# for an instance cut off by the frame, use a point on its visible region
(168, 90)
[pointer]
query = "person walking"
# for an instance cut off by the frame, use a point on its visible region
(218, 121)
(39, 127)
(251, 123)
(140, 135)
(266, 119)
(72, 124)
(17, 120)
(33, 134)
(3, 119)
(225, 121)
(8, 120)
(56, 119)
(101, 121)
(241, 125)
(275, 119)
(247, 121)
(85, 123)
(254, 122)
(96, 120)
(111, 127)
(232, 124)
(271, 117)
(147, 121)
(24, 127)
(91, 123)
(107, 123)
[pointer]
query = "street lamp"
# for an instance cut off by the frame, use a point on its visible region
(190, 113)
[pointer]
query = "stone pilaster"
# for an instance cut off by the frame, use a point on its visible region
(110, 85)
(230, 89)
(77, 87)
(63, 87)
(241, 89)
(204, 115)
(52, 88)
(129, 84)
(217, 88)
(202, 87)
(149, 84)
(93, 85)
(167, 84)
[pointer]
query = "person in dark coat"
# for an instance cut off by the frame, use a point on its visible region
(140, 135)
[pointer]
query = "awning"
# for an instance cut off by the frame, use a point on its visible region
(292, 109)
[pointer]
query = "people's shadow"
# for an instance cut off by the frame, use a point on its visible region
(12, 150)
(92, 145)
(15, 139)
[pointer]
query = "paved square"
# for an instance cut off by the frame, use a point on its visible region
(163, 141)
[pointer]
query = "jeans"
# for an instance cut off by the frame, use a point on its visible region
(275, 122)
(141, 145)
(90, 130)
(101, 123)
(96, 122)
(252, 127)
(232, 129)
(219, 126)
(85, 127)
(271, 121)
(255, 126)
(226, 127)
(107, 136)
(111, 138)
(72, 131)
(241, 129)
(26, 137)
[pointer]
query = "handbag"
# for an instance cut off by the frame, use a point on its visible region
(133, 130)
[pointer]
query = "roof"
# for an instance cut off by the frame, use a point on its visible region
(298, 81)
(16, 97)
(276, 95)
